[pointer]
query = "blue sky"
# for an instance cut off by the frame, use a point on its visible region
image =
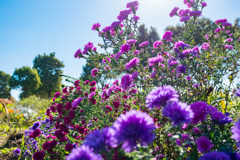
(29, 28)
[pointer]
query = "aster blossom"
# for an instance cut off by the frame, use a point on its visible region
(204, 144)
(133, 127)
(143, 44)
(78, 53)
(76, 102)
(132, 63)
(200, 110)
(94, 72)
(126, 81)
(96, 26)
(181, 68)
(123, 15)
(185, 18)
(178, 112)
(132, 4)
(195, 13)
(83, 152)
(160, 96)
(205, 46)
(214, 155)
(152, 61)
(131, 41)
(156, 44)
(168, 36)
(174, 11)
(125, 48)
(115, 24)
(236, 131)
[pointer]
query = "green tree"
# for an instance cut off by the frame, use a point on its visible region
(27, 79)
(50, 70)
(4, 87)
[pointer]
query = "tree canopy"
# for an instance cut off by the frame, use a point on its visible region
(4, 87)
(50, 70)
(27, 79)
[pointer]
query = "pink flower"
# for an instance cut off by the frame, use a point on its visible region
(204, 4)
(78, 53)
(136, 52)
(174, 11)
(156, 44)
(228, 47)
(132, 4)
(131, 41)
(195, 13)
(136, 18)
(125, 48)
(96, 26)
(184, 19)
(132, 63)
(205, 46)
(168, 36)
(94, 72)
(143, 44)
(217, 30)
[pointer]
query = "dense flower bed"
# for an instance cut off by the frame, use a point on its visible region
(171, 102)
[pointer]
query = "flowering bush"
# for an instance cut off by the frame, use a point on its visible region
(175, 102)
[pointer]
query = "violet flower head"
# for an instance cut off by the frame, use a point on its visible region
(187, 51)
(123, 15)
(220, 21)
(227, 24)
(205, 46)
(36, 125)
(174, 11)
(156, 44)
(94, 72)
(136, 52)
(153, 75)
(136, 18)
(160, 96)
(178, 113)
(200, 110)
(195, 13)
(152, 61)
(135, 75)
(228, 47)
(168, 36)
(217, 115)
(204, 4)
(38, 155)
(143, 44)
(236, 131)
(83, 152)
(100, 139)
(185, 18)
(183, 13)
(118, 55)
(181, 68)
(115, 24)
(204, 144)
(132, 4)
(78, 53)
(125, 48)
(215, 155)
(57, 94)
(96, 26)
(76, 102)
(106, 29)
(126, 81)
(131, 41)
(217, 30)
(133, 127)
(132, 63)
(226, 119)
(17, 152)
(237, 93)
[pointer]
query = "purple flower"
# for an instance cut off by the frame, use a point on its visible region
(116, 81)
(123, 15)
(168, 36)
(87, 47)
(178, 112)
(118, 55)
(100, 139)
(94, 72)
(185, 138)
(76, 102)
(125, 48)
(133, 127)
(195, 13)
(36, 125)
(183, 13)
(187, 51)
(153, 75)
(106, 29)
(38, 155)
(228, 47)
(217, 30)
(205, 46)
(96, 26)
(214, 155)
(217, 115)
(143, 44)
(156, 44)
(78, 53)
(152, 61)
(174, 11)
(200, 110)
(136, 18)
(132, 4)
(220, 21)
(17, 152)
(185, 18)
(132, 63)
(57, 94)
(134, 75)
(225, 119)
(204, 4)
(237, 93)
(204, 144)
(181, 68)
(126, 81)
(83, 152)
(227, 24)
(115, 24)
(136, 52)
(160, 96)
(228, 40)
(131, 41)
(236, 131)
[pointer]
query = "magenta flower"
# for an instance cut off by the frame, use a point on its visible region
(153, 75)
(131, 41)
(126, 81)
(214, 155)
(184, 19)
(136, 52)
(76, 102)
(227, 24)
(132, 63)
(38, 155)
(220, 21)
(136, 18)
(78, 53)
(143, 44)
(123, 15)
(132, 4)
(125, 48)
(134, 75)
(204, 144)
(94, 72)
(183, 13)
(168, 36)
(118, 55)
(156, 44)
(106, 29)
(204, 4)
(174, 11)
(200, 110)
(236, 131)
(228, 47)
(217, 30)
(57, 94)
(96, 26)
(195, 13)
(93, 83)
(205, 46)
(152, 61)
(115, 24)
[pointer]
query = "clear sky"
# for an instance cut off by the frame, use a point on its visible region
(31, 27)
